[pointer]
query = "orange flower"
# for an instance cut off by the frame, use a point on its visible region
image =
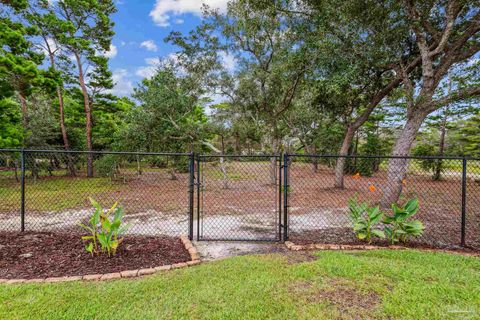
(356, 175)
(372, 188)
(404, 182)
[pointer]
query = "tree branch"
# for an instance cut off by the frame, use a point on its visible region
(455, 96)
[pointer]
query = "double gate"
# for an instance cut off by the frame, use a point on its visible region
(240, 198)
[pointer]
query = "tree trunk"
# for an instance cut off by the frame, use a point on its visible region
(139, 168)
(397, 167)
(173, 174)
(340, 167)
(23, 105)
(222, 165)
(63, 129)
(441, 147)
(314, 159)
(273, 161)
(88, 115)
(443, 129)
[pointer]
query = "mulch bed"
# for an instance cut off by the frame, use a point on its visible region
(345, 236)
(32, 255)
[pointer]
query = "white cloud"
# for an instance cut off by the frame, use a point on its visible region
(149, 70)
(123, 86)
(165, 9)
(179, 21)
(228, 61)
(123, 43)
(112, 52)
(149, 45)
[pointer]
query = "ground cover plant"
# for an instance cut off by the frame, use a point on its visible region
(327, 285)
(104, 230)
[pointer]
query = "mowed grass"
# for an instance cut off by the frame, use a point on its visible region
(52, 194)
(336, 285)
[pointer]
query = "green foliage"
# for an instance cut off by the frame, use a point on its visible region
(104, 230)
(430, 165)
(168, 117)
(11, 132)
(107, 165)
(365, 219)
(400, 226)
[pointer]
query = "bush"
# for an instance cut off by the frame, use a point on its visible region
(181, 164)
(158, 162)
(107, 166)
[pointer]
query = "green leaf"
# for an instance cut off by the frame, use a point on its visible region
(89, 247)
(411, 207)
(378, 233)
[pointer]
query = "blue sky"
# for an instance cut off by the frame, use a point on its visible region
(140, 27)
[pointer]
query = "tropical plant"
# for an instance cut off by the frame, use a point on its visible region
(400, 227)
(104, 230)
(364, 219)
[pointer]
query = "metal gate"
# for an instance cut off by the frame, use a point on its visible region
(239, 197)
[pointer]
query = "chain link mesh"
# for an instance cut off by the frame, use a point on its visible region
(239, 198)
(10, 190)
(153, 190)
(318, 211)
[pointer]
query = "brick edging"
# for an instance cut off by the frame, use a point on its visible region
(317, 246)
(194, 255)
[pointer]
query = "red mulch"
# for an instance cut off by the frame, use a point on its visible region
(32, 255)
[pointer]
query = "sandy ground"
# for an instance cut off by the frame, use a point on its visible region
(253, 226)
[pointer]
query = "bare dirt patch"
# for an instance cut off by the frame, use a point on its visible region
(47, 254)
(294, 257)
(348, 300)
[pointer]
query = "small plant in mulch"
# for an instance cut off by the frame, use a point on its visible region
(105, 229)
(365, 219)
(400, 225)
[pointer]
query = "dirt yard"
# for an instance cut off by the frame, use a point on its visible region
(241, 203)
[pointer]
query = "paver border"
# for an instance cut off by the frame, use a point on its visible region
(351, 247)
(192, 250)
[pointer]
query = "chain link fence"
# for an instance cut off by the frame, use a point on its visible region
(318, 211)
(229, 197)
(239, 197)
(153, 188)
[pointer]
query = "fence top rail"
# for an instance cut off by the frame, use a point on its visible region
(298, 155)
(239, 155)
(381, 157)
(98, 152)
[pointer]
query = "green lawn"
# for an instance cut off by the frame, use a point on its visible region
(373, 284)
(54, 193)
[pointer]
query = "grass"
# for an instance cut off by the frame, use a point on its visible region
(375, 284)
(54, 194)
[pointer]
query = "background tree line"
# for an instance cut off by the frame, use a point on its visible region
(328, 77)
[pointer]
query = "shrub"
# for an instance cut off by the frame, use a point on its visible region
(364, 219)
(107, 166)
(104, 229)
(400, 227)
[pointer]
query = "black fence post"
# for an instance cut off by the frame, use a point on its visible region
(22, 188)
(464, 199)
(285, 196)
(280, 183)
(198, 198)
(191, 171)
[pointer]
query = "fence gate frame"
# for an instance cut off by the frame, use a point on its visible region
(280, 225)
